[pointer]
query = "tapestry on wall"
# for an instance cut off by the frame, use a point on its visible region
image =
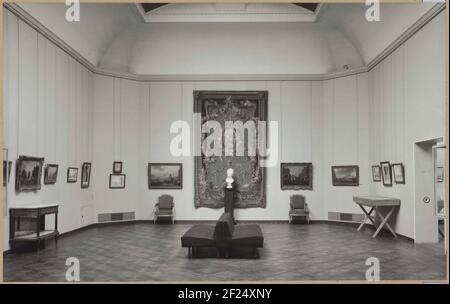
(210, 170)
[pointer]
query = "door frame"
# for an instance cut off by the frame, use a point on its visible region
(432, 142)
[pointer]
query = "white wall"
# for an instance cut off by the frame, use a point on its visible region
(407, 95)
(345, 139)
(132, 122)
(47, 107)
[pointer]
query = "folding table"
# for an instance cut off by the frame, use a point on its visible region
(374, 203)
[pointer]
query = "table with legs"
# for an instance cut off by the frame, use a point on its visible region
(375, 203)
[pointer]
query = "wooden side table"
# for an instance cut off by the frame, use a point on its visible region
(37, 212)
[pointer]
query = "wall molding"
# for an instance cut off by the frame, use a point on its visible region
(40, 28)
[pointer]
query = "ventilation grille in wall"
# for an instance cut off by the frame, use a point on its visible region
(114, 217)
(345, 217)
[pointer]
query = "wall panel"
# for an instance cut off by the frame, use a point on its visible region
(46, 106)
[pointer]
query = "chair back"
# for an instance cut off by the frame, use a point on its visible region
(297, 202)
(224, 228)
(165, 202)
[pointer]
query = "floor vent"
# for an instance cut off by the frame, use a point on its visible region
(114, 217)
(345, 217)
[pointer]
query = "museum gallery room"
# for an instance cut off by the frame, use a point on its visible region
(224, 142)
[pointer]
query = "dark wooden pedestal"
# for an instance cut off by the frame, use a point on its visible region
(20, 236)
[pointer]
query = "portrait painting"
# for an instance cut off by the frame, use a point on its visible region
(399, 173)
(72, 175)
(85, 175)
(386, 173)
(376, 173)
(50, 174)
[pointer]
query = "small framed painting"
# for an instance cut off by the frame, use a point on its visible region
(296, 176)
(386, 173)
(50, 174)
(28, 173)
(376, 173)
(165, 176)
(6, 172)
(345, 175)
(72, 175)
(399, 173)
(117, 181)
(117, 167)
(85, 175)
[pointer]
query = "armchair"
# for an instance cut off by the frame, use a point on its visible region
(164, 208)
(298, 207)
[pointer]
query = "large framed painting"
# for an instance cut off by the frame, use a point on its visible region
(28, 173)
(85, 175)
(165, 176)
(296, 176)
(222, 109)
(345, 175)
(386, 173)
(50, 174)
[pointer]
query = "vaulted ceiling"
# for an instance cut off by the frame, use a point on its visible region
(274, 38)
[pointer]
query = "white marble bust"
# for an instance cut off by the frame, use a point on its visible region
(229, 180)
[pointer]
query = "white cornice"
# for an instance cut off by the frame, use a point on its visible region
(31, 21)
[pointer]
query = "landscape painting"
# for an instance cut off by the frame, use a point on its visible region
(345, 175)
(296, 176)
(28, 173)
(165, 176)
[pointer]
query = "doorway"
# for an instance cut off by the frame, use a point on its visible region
(427, 156)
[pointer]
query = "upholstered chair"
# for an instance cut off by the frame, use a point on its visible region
(298, 208)
(164, 208)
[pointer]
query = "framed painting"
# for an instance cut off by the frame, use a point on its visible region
(28, 173)
(399, 173)
(50, 174)
(376, 173)
(72, 175)
(85, 175)
(117, 167)
(296, 176)
(345, 175)
(117, 181)
(6, 172)
(165, 176)
(386, 173)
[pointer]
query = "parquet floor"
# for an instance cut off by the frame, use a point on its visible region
(147, 252)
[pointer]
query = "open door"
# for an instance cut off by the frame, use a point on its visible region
(425, 217)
